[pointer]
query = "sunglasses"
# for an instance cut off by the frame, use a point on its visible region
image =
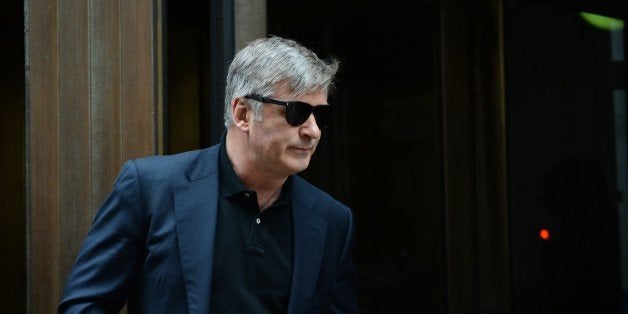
(297, 112)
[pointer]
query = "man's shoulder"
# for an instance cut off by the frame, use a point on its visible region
(179, 159)
(311, 195)
(300, 183)
(169, 167)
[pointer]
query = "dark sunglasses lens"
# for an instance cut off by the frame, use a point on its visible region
(298, 112)
(322, 114)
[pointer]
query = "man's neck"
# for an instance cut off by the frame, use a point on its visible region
(252, 176)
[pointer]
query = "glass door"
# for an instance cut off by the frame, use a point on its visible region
(566, 100)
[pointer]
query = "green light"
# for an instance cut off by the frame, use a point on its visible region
(602, 22)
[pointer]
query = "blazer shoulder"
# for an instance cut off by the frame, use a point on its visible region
(174, 169)
(328, 206)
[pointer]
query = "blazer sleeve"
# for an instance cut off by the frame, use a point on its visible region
(100, 280)
(344, 298)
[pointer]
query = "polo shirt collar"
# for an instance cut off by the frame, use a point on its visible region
(230, 183)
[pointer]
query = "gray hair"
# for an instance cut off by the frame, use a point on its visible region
(267, 63)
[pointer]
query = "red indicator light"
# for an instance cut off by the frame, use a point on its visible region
(544, 234)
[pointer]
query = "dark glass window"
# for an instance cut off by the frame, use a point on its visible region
(566, 100)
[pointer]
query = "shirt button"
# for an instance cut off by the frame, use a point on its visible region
(246, 194)
(258, 221)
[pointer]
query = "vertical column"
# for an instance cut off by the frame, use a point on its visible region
(474, 154)
(621, 153)
(489, 116)
(74, 132)
(105, 97)
(137, 48)
(457, 159)
(222, 50)
(92, 102)
(42, 124)
(250, 21)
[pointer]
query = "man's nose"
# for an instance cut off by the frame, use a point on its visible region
(310, 128)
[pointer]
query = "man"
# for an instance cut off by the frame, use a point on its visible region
(231, 228)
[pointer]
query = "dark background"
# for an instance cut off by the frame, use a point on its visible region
(563, 166)
(381, 156)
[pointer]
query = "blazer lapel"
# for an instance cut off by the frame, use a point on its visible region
(309, 242)
(195, 208)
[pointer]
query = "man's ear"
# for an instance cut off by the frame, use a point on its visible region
(240, 113)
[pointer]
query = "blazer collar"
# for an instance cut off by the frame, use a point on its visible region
(195, 209)
(309, 242)
(205, 164)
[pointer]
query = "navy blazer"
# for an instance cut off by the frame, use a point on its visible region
(152, 243)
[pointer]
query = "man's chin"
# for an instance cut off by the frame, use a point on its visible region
(301, 165)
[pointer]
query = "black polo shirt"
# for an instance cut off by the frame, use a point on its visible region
(253, 249)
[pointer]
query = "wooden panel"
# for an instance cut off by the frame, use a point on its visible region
(91, 105)
(43, 160)
(250, 21)
(138, 89)
(105, 97)
(74, 132)
(160, 75)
